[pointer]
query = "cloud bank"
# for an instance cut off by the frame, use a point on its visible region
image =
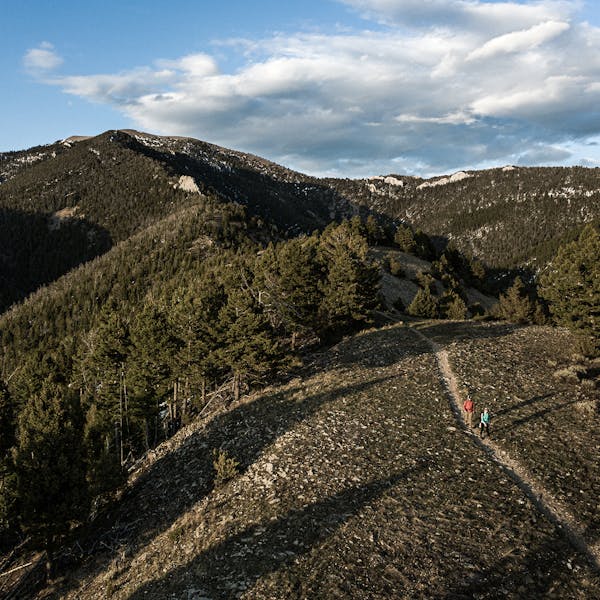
(427, 87)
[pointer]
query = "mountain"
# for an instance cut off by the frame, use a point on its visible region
(77, 197)
(507, 217)
(187, 409)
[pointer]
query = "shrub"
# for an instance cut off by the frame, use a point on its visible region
(423, 305)
(395, 267)
(226, 467)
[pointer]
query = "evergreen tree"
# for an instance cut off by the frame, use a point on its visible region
(351, 289)
(101, 377)
(373, 230)
(405, 239)
(149, 377)
(516, 305)
(424, 305)
(424, 247)
(250, 350)
(571, 286)
(287, 280)
(452, 306)
(49, 462)
(194, 313)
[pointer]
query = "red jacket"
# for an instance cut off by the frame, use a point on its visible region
(468, 405)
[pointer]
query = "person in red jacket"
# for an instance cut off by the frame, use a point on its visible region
(469, 409)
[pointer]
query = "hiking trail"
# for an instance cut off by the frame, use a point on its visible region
(543, 500)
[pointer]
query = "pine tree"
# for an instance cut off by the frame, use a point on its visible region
(287, 279)
(101, 377)
(373, 230)
(424, 305)
(50, 469)
(149, 377)
(194, 314)
(351, 289)
(516, 305)
(405, 239)
(571, 287)
(452, 306)
(250, 349)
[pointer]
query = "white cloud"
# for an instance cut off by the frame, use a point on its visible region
(519, 41)
(465, 14)
(443, 86)
(43, 58)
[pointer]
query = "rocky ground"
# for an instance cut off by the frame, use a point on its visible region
(543, 398)
(356, 481)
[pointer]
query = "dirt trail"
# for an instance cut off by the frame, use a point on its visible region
(552, 508)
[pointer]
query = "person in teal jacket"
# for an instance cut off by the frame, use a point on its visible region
(484, 423)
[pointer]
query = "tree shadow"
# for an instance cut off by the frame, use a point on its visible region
(538, 414)
(266, 547)
(543, 566)
(453, 331)
(184, 476)
(38, 248)
(522, 404)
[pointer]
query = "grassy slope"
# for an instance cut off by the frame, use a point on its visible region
(355, 483)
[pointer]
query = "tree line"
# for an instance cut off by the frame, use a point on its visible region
(71, 425)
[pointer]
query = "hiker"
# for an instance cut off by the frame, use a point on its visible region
(469, 409)
(484, 423)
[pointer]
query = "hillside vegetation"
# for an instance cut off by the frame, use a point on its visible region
(178, 415)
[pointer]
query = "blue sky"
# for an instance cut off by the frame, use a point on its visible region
(332, 87)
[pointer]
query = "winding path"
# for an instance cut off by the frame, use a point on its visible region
(543, 500)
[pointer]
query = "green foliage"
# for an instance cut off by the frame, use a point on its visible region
(350, 290)
(405, 239)
(374, 231)
(571, 286)
(287, 279)
(394, 266)
(51, 485)
(424, 305)
(452, 306)
(516, 305)
(426, 281)
(249, 349)
(225, 466)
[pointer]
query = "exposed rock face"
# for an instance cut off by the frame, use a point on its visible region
(187, 184)
(460, 176)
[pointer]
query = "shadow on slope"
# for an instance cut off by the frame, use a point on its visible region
(447, 332)
(542, 569)
(266, 547)
(36, 249)
(183, 477)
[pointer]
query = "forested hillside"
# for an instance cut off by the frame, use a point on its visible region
(506, 217)
(64, 203)
(150, 282)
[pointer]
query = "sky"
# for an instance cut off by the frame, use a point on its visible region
(346, 88)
